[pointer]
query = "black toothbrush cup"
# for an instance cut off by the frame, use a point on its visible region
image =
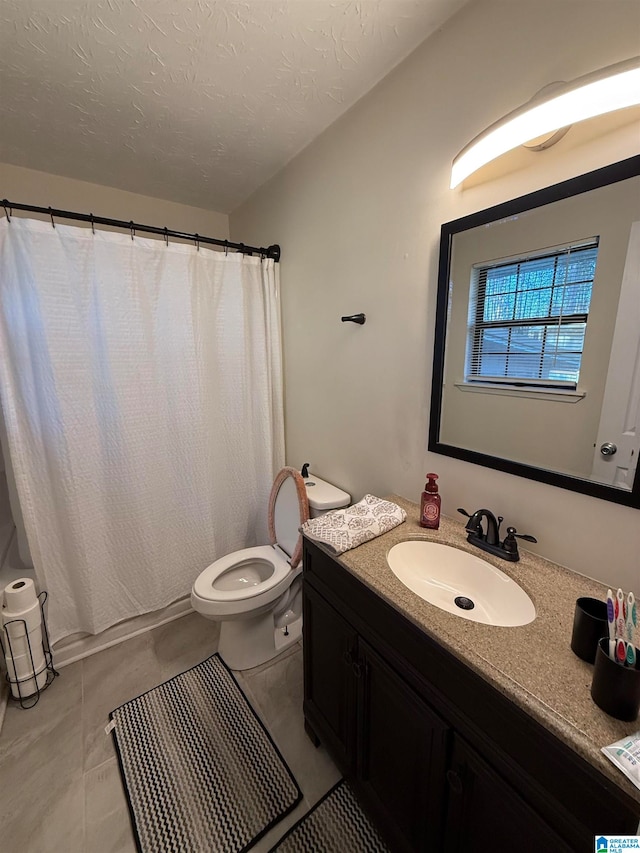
(616, 686)
(589, 626)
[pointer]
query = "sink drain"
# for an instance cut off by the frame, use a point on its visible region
(463, 602)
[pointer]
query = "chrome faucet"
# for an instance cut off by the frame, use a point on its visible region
(489, 539)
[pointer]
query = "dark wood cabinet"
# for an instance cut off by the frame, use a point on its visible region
(485, 813)
(439, 758)
(402, 753)
(378, 730)
(329, 686)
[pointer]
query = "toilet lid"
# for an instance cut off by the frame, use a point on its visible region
(288, 509)
(286, 516)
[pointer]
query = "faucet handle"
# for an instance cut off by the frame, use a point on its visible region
(511, 532)
(474, 525)
(511, 546)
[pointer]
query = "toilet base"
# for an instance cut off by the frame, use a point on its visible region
(245, 643)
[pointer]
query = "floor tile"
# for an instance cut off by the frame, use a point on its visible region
(59, 704)
(275, 834)
(41, 770)
(109, 679)
(277, 693)
(107, 822)
(50, 819)
(58, 756)
(183, 643)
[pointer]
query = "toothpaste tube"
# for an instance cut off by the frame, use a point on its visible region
(625, 754)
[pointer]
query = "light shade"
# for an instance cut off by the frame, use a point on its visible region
(599, 92)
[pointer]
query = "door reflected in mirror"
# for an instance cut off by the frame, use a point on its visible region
(537, 355)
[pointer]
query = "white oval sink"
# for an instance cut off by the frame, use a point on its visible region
(460, 583)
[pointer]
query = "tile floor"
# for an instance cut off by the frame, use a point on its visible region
(59, 778)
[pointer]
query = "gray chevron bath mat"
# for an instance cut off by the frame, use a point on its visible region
(200, 771)
(336, 824)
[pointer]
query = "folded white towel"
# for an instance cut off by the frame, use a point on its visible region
(344, 529)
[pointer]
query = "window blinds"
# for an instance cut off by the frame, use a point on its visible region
(528, 317)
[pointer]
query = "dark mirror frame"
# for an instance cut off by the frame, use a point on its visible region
(575, 186)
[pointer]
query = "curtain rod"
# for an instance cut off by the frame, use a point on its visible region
(269, 252)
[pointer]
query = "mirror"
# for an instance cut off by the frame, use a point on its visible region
(536, 367)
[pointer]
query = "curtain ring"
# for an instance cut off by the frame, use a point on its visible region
(166, 236)
(241, 249)
(92, 225)
(226, 247)
(196, 239)
(6, 212)
(133, 230)
(53, 224)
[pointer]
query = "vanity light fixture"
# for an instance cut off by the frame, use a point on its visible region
(606, 90)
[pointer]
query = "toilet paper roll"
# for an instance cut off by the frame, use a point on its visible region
(24, 679)
(18, 644)
(30, 616)
(21, 666)
(20, 594)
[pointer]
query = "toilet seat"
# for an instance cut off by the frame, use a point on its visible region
(257, 576)
(275, 563)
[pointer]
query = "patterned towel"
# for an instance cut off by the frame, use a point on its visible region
(344, 529)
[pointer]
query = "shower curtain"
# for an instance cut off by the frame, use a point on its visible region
(142, 390)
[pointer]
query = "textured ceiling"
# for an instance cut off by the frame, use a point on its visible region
(198, 101)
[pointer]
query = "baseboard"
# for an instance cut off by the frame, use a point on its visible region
(78, 646)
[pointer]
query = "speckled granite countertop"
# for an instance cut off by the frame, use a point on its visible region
(532, 665)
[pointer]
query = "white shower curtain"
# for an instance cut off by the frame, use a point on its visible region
(142, 391)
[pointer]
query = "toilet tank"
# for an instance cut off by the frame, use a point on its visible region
(324, 496)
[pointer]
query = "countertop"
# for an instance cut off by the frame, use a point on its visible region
(532, 665)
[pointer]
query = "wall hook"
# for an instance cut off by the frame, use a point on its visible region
(355, 318)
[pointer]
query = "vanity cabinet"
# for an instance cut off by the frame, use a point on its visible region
(439, 758)
(375, 726)
(484, 812)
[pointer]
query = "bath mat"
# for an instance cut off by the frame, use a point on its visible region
(336, 824)
(200, 771)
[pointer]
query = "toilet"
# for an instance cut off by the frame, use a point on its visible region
(256, 593)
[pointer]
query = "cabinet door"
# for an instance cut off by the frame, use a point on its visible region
(329, 650)
(401, 756)
(485, 813)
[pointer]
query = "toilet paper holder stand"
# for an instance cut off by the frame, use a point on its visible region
(31, 699)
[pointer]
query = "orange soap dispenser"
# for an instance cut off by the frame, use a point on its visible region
(430, 504)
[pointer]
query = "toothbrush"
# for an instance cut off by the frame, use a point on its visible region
(632, 621)
(611, 620)
(620, 629)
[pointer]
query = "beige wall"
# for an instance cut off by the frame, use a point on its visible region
(515, 427)
(27, 186)
(358, 215)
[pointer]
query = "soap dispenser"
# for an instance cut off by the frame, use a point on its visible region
(430, 504)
